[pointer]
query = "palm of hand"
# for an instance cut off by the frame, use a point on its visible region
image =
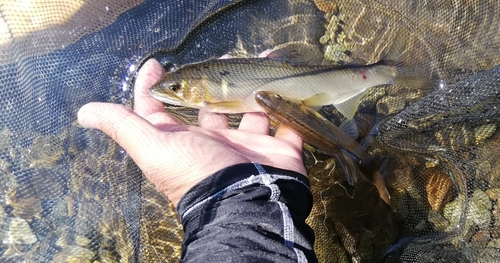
(175, 156)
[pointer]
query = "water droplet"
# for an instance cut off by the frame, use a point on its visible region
(132, 67)
(442, 84)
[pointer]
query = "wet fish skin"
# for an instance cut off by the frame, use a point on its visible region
(229, 85)
(313, 127)
(322, 134)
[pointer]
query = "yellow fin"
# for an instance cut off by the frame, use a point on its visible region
(349, 107)
(318, 100)
(230, 106)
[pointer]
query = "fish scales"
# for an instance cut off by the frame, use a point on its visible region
(229, 85)
(322, 134)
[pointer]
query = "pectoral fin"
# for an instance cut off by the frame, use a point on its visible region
(231, 106)
(350, 127)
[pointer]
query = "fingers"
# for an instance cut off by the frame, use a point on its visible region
(163, 121)
(145, 105)
(148, 75)
(285, 133)
(212, 121)
(256, 122)
(123, 125)
(264, 149)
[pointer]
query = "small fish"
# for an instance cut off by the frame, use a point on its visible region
(229, 85)
(324, 135)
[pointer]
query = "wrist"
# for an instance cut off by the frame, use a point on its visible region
(175, 191)
(231, 177)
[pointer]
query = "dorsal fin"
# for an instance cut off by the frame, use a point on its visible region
(298, 53)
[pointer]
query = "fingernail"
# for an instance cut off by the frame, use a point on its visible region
(86, 116)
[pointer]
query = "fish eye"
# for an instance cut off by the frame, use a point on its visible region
(174, 86)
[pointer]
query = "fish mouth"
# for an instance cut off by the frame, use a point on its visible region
(161, 97)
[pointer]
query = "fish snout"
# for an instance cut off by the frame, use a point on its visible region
(158, 92)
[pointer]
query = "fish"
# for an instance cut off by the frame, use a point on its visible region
(319, 132)
(230, 85)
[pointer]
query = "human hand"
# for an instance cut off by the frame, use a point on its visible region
(174, 156)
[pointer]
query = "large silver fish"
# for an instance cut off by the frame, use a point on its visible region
(229, 85)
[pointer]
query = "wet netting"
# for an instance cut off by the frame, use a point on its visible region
(69, 194)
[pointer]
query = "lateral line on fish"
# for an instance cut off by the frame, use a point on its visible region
(312, 69)
(314, 72)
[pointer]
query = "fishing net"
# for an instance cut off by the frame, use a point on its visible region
(70, 194)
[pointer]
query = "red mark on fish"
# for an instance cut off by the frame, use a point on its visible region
(362, 73)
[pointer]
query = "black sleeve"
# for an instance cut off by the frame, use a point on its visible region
(248, 213)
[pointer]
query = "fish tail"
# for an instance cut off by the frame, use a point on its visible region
(407, 75)
(348, 166)
(371, 169)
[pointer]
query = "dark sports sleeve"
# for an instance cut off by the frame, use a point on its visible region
(248, 213)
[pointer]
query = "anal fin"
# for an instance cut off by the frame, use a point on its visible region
(349, 107)
(317, 101)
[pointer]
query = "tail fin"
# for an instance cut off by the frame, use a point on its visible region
(408, 75)
(349, 167)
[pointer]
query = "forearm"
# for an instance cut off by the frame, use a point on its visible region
(248, 213)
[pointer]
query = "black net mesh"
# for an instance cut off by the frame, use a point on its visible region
(72, 195)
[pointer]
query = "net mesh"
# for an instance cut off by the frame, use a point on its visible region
(72, 195)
